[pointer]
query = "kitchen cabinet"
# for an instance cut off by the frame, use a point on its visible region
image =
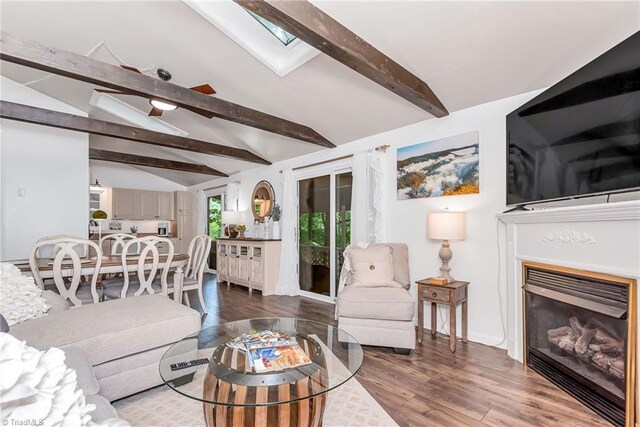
(125, 204)
(248, 262)
(164, 205)
(186, 219)
(148, 205)
(129, 204)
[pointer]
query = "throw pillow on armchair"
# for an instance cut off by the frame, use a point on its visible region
(372, 267)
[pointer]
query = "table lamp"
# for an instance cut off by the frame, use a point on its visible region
(446, 226)
(229, 220)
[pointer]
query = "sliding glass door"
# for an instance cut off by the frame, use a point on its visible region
(214, 211)
(324, 224)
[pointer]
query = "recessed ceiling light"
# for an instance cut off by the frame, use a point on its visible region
(161, 105)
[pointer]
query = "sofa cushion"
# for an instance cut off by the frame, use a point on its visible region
(113, 329)
(400, 252)
(4, 326)
(372, 266)
(78, 360)
(56, 301)
(376, 303)
(104, 411)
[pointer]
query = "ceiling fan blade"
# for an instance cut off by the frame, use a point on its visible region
(130, 68)
(116, 92)
(205, 88)
(155, 112)
(207, 114)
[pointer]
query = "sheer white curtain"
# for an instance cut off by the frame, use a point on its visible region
(367, 210)
(231, 196)
(202, 212)
(360, 197)
(288, 282)
(376, 175)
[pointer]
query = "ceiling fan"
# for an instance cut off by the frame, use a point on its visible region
(159, 106)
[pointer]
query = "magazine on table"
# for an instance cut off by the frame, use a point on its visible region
(267, 359)
(260, 339)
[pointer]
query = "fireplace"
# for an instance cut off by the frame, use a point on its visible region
(580, 334)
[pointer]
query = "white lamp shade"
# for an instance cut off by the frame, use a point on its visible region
(447, 225)
(232, 217)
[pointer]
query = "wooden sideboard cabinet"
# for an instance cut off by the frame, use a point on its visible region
(253, 263)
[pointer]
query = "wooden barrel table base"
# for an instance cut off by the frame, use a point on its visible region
(252, 404)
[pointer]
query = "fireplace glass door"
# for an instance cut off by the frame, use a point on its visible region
(577, 336)
(579, 341)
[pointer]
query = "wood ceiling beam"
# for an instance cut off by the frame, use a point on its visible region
(56, 119)
(153, 162)
(316, 28)
(31, 54)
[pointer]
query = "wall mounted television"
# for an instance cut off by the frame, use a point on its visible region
(581, 136)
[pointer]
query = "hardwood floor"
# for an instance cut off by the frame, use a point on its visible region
(476, 386)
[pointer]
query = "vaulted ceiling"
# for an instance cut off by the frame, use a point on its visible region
(467, 52)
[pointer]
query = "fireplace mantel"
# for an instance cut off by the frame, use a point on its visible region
(619, 211)
(602, 238)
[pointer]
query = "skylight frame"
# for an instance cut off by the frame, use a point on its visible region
(234, 21)
(285, 38)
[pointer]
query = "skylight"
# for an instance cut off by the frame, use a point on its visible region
(280, 34)
(280, 51)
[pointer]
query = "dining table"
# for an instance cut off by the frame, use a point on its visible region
(111, 264)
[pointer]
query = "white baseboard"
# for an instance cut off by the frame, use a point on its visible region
(490, 340)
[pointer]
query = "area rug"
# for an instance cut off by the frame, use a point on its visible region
(348, 405)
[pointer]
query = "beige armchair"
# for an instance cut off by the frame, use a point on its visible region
(379, 316)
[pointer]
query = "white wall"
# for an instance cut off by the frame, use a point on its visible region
(51, 166)
(125, 176)
(476, 258)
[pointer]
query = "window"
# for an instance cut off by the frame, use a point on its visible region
(281, 34)
(215, 217)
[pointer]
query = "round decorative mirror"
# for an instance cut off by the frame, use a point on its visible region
(262, 200)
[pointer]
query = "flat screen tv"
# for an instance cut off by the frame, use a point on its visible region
(581, 136)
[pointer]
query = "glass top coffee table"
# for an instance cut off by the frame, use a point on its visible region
(233, 394)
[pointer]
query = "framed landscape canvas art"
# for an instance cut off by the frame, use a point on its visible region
(443, 167)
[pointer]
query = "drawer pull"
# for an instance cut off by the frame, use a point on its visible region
(434, 294)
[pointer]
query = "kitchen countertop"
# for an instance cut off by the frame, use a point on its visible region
(94, 236)
(248, 239)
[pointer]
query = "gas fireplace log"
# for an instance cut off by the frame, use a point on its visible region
(564, 330)
(563, 342)
(582, 343)
(613, 350)
(611, 343)
(576, 327)
(616, 368)
(601, 362)
(613, 366)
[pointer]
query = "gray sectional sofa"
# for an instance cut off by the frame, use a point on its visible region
(122, 341)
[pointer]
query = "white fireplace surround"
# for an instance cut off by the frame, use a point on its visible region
(603, 238)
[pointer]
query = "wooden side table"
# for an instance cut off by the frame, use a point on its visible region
(452, 294)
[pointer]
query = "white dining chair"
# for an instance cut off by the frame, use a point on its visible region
(119, 240)
(49, 250)
(194, 272)
(147, 269)
(67, 263)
